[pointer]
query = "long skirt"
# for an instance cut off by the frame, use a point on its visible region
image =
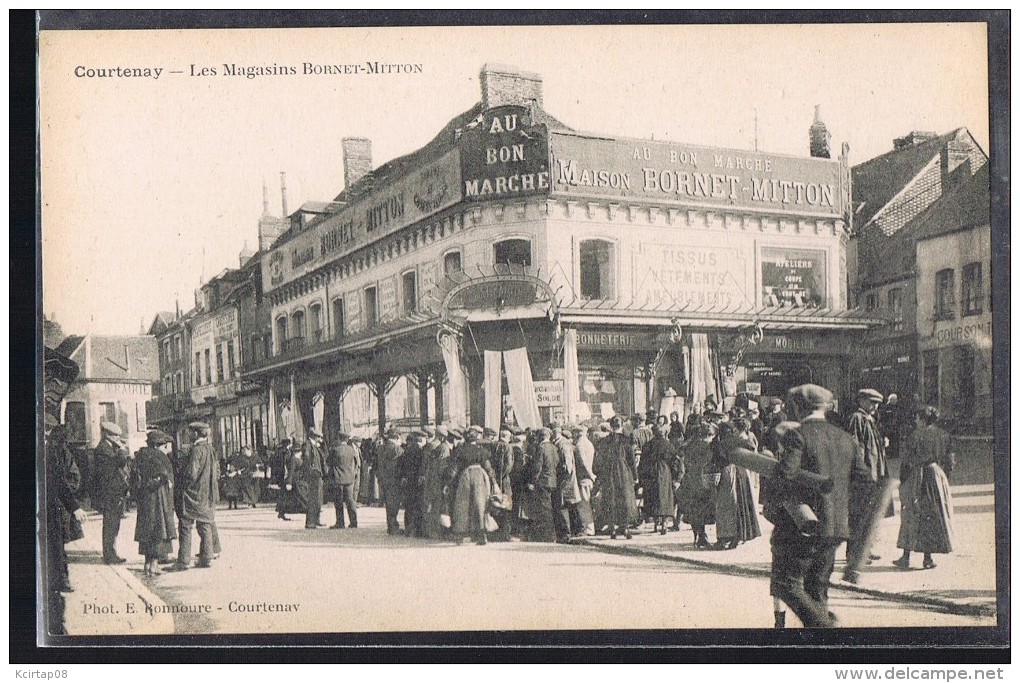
(658, 493)
(695, 501)
(927, 522)
(155, 527)
(436, 506)
(617, 487)
(735, 516)
(471, 501)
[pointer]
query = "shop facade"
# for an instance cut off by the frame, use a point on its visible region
(515, 270)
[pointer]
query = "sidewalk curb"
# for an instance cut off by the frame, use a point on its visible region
(947, 605)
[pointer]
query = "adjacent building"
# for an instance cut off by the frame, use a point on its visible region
(516, 270)
(116, 379)
(897, 197)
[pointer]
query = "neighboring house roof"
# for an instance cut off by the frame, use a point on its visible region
(879, 181)
(965, 206)
(114, 358)
(161, 322)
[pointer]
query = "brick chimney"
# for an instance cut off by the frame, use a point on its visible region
(502, 84)
(819, 136)
(357, 159)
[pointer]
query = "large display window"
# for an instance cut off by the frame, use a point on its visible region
(793, 278)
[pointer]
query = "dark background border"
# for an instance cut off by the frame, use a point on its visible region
(869, 646)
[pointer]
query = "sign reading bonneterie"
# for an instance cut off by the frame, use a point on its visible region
(394, 204)
(690, 175)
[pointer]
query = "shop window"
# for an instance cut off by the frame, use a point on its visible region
(281, 333)
(973, 289)
(794, 278)
(198, 364)
(598, 269)
(231, 360)
(166, 351)
(108, 412)
(177, 348)
(338, 317)
(178, 382)
(208, 367)
(315, 310)
(965, 379)
(74, 418)
(945, 294)
(452, 264)
(371, 306)
(219, 363)
(512, 252)
(409, 291)
(930, 376)
(896, 308)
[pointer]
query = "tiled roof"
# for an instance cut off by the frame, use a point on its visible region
(966, 205)
(70, 345)
(877, 181)
(133, 358)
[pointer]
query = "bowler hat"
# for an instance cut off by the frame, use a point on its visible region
(870, 394)
(810, 395)
(110, 428)
(158, 438)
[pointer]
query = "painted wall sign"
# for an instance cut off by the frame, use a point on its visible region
(793, 277)
(503, 155)
(691, 275)
(977, 333)
(611, 339)
(393, 205)
(694, 175)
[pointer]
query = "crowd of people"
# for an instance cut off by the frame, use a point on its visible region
(550, 484)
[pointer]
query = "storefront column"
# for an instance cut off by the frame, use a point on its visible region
(380, 387)
(437, 388)
(331, 410)
(424, 379)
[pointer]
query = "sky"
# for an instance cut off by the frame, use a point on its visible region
(150, 185)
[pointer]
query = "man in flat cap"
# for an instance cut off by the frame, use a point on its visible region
(111, 486)
(863, 427)
(388, 466)
(197, 482)
(802, 563)
(544, 485)
(313, 465)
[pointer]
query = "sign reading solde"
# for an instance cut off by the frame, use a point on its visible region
(503, 154)
(695, 176)
(549, 393)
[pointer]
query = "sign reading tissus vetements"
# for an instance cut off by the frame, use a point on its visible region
(693, 175)
(693, 276)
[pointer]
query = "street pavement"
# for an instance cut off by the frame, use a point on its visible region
(277, 577)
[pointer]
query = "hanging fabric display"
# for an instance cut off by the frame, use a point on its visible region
(455, 374)
(702, 373)
(272, 425)
(493, 389)
(522, 388)
(318, 411)
(297, 424)
(572, 404)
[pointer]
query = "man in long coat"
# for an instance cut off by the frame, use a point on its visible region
(111, 486)
(863, 427)
(63, 514)
(344, 465)
(198, 486)
(387, 459)
(412, 479)
(313, 465)
(802, 564)
(616, 469)
(544, 484)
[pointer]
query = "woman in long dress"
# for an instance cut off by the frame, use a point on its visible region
(154, 478)
(695, 499)
(658, 463)
(615, 473)
(926, 525)
(736, 519)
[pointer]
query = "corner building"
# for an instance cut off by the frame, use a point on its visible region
(515, 270)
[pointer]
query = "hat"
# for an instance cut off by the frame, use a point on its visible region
(505, 433)
(456, 433)
(392, 433)
(545, 433)
(566, 432)
(870, 394)
(489, 431)
(312, 431)
(811, 395)
(442, 430)
(577, 428)
(638, 416)
(342, 436)
(197, 426)
(158, 438)
(110, 428)
(430, 431)
(417, 433)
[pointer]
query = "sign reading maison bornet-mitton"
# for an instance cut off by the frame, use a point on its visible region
(695, 176)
